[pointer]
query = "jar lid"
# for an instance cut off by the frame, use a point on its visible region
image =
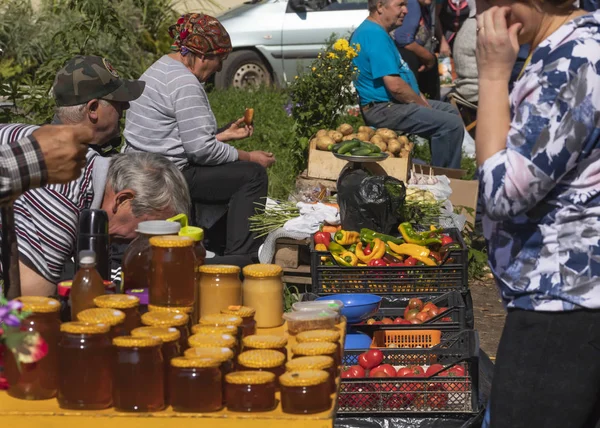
(240, 311)
(207, 329)
(320, 362)
(136, 342)
(260, 270)
(171, 241)
(332, 336)
(108, 316)
(158, 227)
(165, 319)
(211, 340)
(221, 319)
(196, 233)
(39, 304)
(185, 362)
(116, 301)
(261, 359)
(314, 348)
(220, 354)
(219, 269)
(264, 341)
(166, 334)
(303, 378)
(64, 288)
(249, 378)
(84, 327)
(176, 309)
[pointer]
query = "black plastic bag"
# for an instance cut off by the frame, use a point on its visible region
(374, 202)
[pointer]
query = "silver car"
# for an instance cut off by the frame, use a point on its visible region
(274, 40)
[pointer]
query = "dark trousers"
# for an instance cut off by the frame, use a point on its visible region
(547, 371)
(239, 185)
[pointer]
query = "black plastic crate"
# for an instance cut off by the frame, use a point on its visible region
(452, 275)
(417, 395)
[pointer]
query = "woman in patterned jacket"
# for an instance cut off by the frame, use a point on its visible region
(538, 152)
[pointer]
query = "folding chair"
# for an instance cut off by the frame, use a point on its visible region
(467, 110)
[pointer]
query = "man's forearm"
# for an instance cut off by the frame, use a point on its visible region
(425, 57)
(402, 91)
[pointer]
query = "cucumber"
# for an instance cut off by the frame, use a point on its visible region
(334, 147)
(347, 146)
(360, 151)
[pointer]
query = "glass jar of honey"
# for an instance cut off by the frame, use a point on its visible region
(212, 340)
(263, 291)
(315, 363)
(220, 287)
(322, 336)
(222, 329)
(126, 304)
(219, 320)
(36, 380)
(313, 349)
(188, 310)
(138, 383)
(250, 391)
(266, 341)
(196, 385)
(246, 314)
(223, 355)
(172, 276)
(265, 360)
(305, 392)
(170, 319)
(85, 352)
(113, 317)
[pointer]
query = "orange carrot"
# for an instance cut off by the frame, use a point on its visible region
(330, 229)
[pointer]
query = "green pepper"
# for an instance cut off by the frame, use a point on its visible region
(340, 261)
(369, 235)
(352, 248)
(413, 237)
(334, 247)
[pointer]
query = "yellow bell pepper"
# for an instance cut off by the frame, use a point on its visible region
(426, 260)
(377, 251)
(412, 250)
(345, 237)
(321, 247)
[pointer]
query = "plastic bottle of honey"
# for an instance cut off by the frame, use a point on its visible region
(87, 284)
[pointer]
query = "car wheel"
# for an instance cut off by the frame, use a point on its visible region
(244, 70)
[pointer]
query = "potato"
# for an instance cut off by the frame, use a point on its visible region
(323, 143)
(349, 137)
(335, 135)
(363, 136)
(403, 139)
(404, 153)
(386, 134)
(345, 129)
(390, 154)
(410, 146)
(376, 139)
(367, 129)
(321, 133)
(382, 146)
(394, 146)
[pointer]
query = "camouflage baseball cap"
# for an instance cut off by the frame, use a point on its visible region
(84, 78)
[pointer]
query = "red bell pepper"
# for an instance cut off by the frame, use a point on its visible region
(377, 262)
(367, 250)
(322, 238)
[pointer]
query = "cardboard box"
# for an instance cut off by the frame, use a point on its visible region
(465, 193)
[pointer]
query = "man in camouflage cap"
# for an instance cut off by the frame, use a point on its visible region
(89, 91)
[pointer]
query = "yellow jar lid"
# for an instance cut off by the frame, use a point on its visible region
(165, 319)
(240, 311)
(320, 362)
(211, 340)
(219, 269)
(171, 241)
(303, 378)
(136, 342)
(185, 362)
(166, 334)
(84, 327)
(314, 348)
(221, 354)
(176, 309)
(332, 336)
(112, 317)
(264, 341)
(39, 304)
(221, 319)
(207, 329)
(116, 301)
(262, 270)
(249, 378)
(261, 359)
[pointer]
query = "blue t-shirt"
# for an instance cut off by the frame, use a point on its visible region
(378, 57)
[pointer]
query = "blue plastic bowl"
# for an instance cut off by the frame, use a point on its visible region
(356, 340)
(357, 307)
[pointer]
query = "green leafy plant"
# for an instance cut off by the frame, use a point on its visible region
(475, 242)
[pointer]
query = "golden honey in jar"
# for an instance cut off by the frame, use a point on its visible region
(212, 340)
(246, 314)
(312, 349)
(188, 310)
(320, 362)
(266, 341)
(125, 303)
(172, 275)
(218, 320)
(195, 385)
(266, 360)
(36, 380)
(220, 287)
(115, 318)
(85, 357)
(138, 384)
(322, 336)
(223, 355)
(250, 391)
(222, 329)
(305, 392)
(170, 319)
(263, 291)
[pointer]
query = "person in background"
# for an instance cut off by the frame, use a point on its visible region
(465, 62)
(451, 15)
(538, 151)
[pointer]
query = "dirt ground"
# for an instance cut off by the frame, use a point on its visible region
(489, 314)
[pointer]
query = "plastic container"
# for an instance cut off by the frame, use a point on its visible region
(406, 338)
(305, 392)
(250, 391)
(112, 317)
(87, 284)
(298, 322)
(263, 291)
(262, 360)
(142, 294)
(265, 341)
(357, 306)
(220, 287)
(126, 304)
(196, 385)
(320, 362)
(332, 305)
(170, 319)
(246, 314)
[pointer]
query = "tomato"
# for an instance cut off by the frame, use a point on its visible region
(387, 321)
(371, 321)
(423, 316)
(417, 370)
(412, 313)
(433, 369)
(436, 397)
(353, 372)
(367, 250)
(401, 321)
(403, 399)
(410, 261)
(457, 371)
(387, 369)
(372, 358)
(404, 372)
(446, 240)
(356, 396)
(415, 303)
(416, 321)
(442, 310)
(434, 312)
(428, 307)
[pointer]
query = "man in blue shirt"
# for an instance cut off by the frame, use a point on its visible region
(388, 92)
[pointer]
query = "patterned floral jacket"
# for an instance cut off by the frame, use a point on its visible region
(541, 195)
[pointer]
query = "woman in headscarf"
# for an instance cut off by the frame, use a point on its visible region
(173, 118)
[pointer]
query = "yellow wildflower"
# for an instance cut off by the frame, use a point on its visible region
(341, 45)
(328, 68)
(340, 76)
(295, 77)
(314, 69)
(357, 47)
(331, 55)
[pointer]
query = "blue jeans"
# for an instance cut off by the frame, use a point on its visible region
(441, 124)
